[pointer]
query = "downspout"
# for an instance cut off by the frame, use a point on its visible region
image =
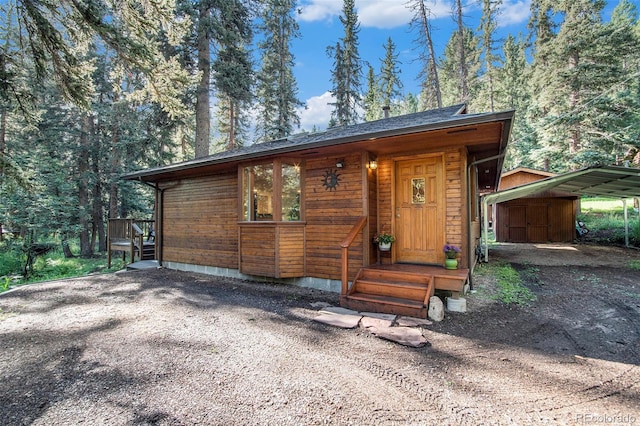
(470, 253)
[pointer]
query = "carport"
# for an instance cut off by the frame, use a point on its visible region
(604, 181)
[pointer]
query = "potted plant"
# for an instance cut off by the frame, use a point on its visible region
(451, 253)
(384, 240)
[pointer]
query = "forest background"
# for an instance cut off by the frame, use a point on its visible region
(90, 90)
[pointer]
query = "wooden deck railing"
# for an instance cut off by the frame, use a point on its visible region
(345, 252)
(128, 235)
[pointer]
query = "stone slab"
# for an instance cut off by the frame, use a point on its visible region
(412, 322)
(339, 310)
(388, 317)
(374, 324)
(339, 320)
(320, 305)
(406, 336)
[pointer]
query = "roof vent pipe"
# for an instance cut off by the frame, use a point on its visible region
(386, 110)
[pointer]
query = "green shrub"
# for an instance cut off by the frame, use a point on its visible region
(10, 259)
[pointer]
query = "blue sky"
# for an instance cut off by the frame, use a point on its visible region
(380, 19)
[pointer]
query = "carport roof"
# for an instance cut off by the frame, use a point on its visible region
(605, 181)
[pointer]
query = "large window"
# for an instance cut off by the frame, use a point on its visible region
(271, 191)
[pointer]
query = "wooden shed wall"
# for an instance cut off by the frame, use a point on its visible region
(523, 220)
(330, 215)
(200, 217)
(519, 178)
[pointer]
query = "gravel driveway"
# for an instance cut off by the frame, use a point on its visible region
(171, 348)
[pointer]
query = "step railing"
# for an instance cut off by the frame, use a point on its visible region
(128, 235)
(345, 252)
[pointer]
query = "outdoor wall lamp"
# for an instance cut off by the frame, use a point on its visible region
(340, 164)
(372, 164)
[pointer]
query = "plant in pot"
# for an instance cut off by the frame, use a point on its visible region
(451, 254)
(384, 240)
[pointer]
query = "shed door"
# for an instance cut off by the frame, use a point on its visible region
(517, 226)
(528, 224)
(537, 223)
(419, 210)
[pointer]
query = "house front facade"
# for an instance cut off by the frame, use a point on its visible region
(283, 209)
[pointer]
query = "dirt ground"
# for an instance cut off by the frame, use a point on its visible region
(173, 348)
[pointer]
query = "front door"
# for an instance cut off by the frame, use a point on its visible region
(420, 210)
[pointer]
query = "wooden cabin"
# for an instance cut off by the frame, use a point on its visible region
(306, 209)
(548, 216)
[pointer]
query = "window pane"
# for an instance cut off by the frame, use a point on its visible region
(247, 198)
(263, 192)
(290, 191)
(257, 192)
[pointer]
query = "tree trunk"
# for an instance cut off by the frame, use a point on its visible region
(203, 119)
(68, 254)
(83, 188)
(3, 147)
(432, 67)
(115, 165)
(232, 125)
(98, 229)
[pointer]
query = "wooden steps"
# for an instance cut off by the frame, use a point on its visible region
(391, 292)
(401, 289)
(148, 251)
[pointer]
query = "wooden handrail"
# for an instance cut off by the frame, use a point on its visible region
(345, 252)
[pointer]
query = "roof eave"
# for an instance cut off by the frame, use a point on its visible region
(456, 121)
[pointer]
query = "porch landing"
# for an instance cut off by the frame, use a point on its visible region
(401, 289)
(445, 279)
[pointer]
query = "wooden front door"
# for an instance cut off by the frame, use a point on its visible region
(420, 210)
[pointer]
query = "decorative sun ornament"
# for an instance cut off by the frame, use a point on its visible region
(330, 180)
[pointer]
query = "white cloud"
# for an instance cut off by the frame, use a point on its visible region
(319, 10)
(371, 13)
(317, 113)
(514, 12)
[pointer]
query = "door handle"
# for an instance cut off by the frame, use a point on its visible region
(398, 213)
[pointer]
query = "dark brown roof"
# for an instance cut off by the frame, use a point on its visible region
(442, 118)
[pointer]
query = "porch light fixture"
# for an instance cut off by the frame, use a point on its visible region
(372, 164)
(339, 164)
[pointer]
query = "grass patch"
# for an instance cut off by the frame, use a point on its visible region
(635, 264)
(509, 286)
(51, 266)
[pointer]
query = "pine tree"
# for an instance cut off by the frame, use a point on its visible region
(431, 96)
(276, 85)
(233, 71)
(371, 101)
(463, 70)
(390, 84)
(487, 29)
(57, 34)
(453, 89)
(347, 69)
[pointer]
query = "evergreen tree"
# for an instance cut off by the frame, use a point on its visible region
(277, 88)
(487, 29)
(371, 101)
(347, 69)
(233, 71)
(58, 34)
(463, 70)
(453, 89)
(431, 96)
(390, 84)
